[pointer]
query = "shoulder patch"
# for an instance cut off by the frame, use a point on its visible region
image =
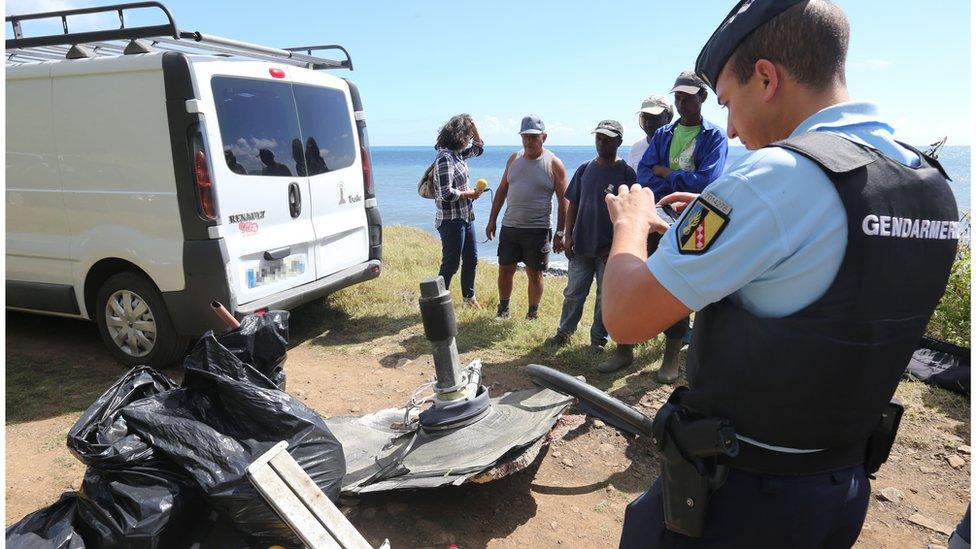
(702, 224)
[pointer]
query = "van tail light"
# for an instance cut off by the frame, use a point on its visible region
(201, 172)
(367, 174)
(367, 161)
(202, 175)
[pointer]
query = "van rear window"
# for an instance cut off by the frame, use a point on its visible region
(280, 129)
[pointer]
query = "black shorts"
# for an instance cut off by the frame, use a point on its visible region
(528, 246)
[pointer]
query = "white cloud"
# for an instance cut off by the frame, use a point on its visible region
(249, 148)
(873, 64)
(491, 125)
(497, 130)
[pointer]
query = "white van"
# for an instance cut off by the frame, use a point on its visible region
(149, 177)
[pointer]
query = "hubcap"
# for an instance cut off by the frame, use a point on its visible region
(130, 323)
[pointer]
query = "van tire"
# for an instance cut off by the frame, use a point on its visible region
(139, 330)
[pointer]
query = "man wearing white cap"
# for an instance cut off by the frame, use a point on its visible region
(655, 112)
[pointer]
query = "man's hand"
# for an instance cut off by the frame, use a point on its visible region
(678, 201)
(490, 229)
(661, 171)
(568, 246)
(634, 207)
(557, 244)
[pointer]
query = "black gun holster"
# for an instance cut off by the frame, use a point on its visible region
(690, 445)
(883, 437)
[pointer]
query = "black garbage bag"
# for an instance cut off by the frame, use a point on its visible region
(129, 496)
(225, 415)
(262, 342)
(48, 528)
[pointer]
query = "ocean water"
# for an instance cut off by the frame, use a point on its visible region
(398, 169)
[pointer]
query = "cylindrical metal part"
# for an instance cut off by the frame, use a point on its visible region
(440, 327)
(225, 315)
(447, 364)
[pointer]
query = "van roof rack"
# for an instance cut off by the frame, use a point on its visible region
(139, 39)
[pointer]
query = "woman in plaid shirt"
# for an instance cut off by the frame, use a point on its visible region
(454, 212)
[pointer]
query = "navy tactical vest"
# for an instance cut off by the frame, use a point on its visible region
(820, 378)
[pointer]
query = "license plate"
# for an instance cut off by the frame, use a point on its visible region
(269, 272)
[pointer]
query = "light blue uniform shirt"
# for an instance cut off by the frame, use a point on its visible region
(787, 230)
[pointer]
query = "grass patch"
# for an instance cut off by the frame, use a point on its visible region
(951, 321)
(369, 314)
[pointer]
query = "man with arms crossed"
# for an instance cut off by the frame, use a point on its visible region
(807, 318)
(655, 112)
(531, 177)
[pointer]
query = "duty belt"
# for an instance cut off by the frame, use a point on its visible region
(759, 457)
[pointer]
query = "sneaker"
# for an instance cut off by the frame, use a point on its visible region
(623, 356)
(502, 313)
(472, 302)
(596, 348)
(557, 340)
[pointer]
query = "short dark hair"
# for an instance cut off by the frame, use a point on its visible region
(455, 133)
(809, 40)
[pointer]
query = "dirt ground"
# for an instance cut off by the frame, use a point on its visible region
(573, 496)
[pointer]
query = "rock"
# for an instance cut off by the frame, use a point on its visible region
(913, 490)
(926, 522)
(936, 546)
(956, 462)
(894, 495)
(396, 507)
(599, 424)
(568, 462)
(354, 410)
(964, 449)
(557, 455)
(951, 437)
(402, 362)
(575, 509)
(299, 393)
(928, 470)
(553, 525)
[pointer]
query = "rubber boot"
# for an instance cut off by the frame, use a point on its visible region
(622, 357)
(669, 366)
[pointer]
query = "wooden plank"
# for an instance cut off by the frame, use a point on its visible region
(291, 508)
(309, 493)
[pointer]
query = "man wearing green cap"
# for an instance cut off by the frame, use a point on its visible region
(815, 263)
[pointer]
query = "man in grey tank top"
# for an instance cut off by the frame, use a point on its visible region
(531, 177)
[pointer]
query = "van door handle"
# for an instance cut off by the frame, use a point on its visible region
(279, 253)
(294, 200)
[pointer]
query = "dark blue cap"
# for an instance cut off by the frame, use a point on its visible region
(745, 17)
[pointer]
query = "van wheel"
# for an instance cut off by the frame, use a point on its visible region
(134, 322)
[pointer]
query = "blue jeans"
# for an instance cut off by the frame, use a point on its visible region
(457, 243)
(582, 270)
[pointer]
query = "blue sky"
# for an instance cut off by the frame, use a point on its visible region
(575, 63)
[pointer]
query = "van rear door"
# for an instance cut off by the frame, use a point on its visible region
(262, 196)
(335, 170)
